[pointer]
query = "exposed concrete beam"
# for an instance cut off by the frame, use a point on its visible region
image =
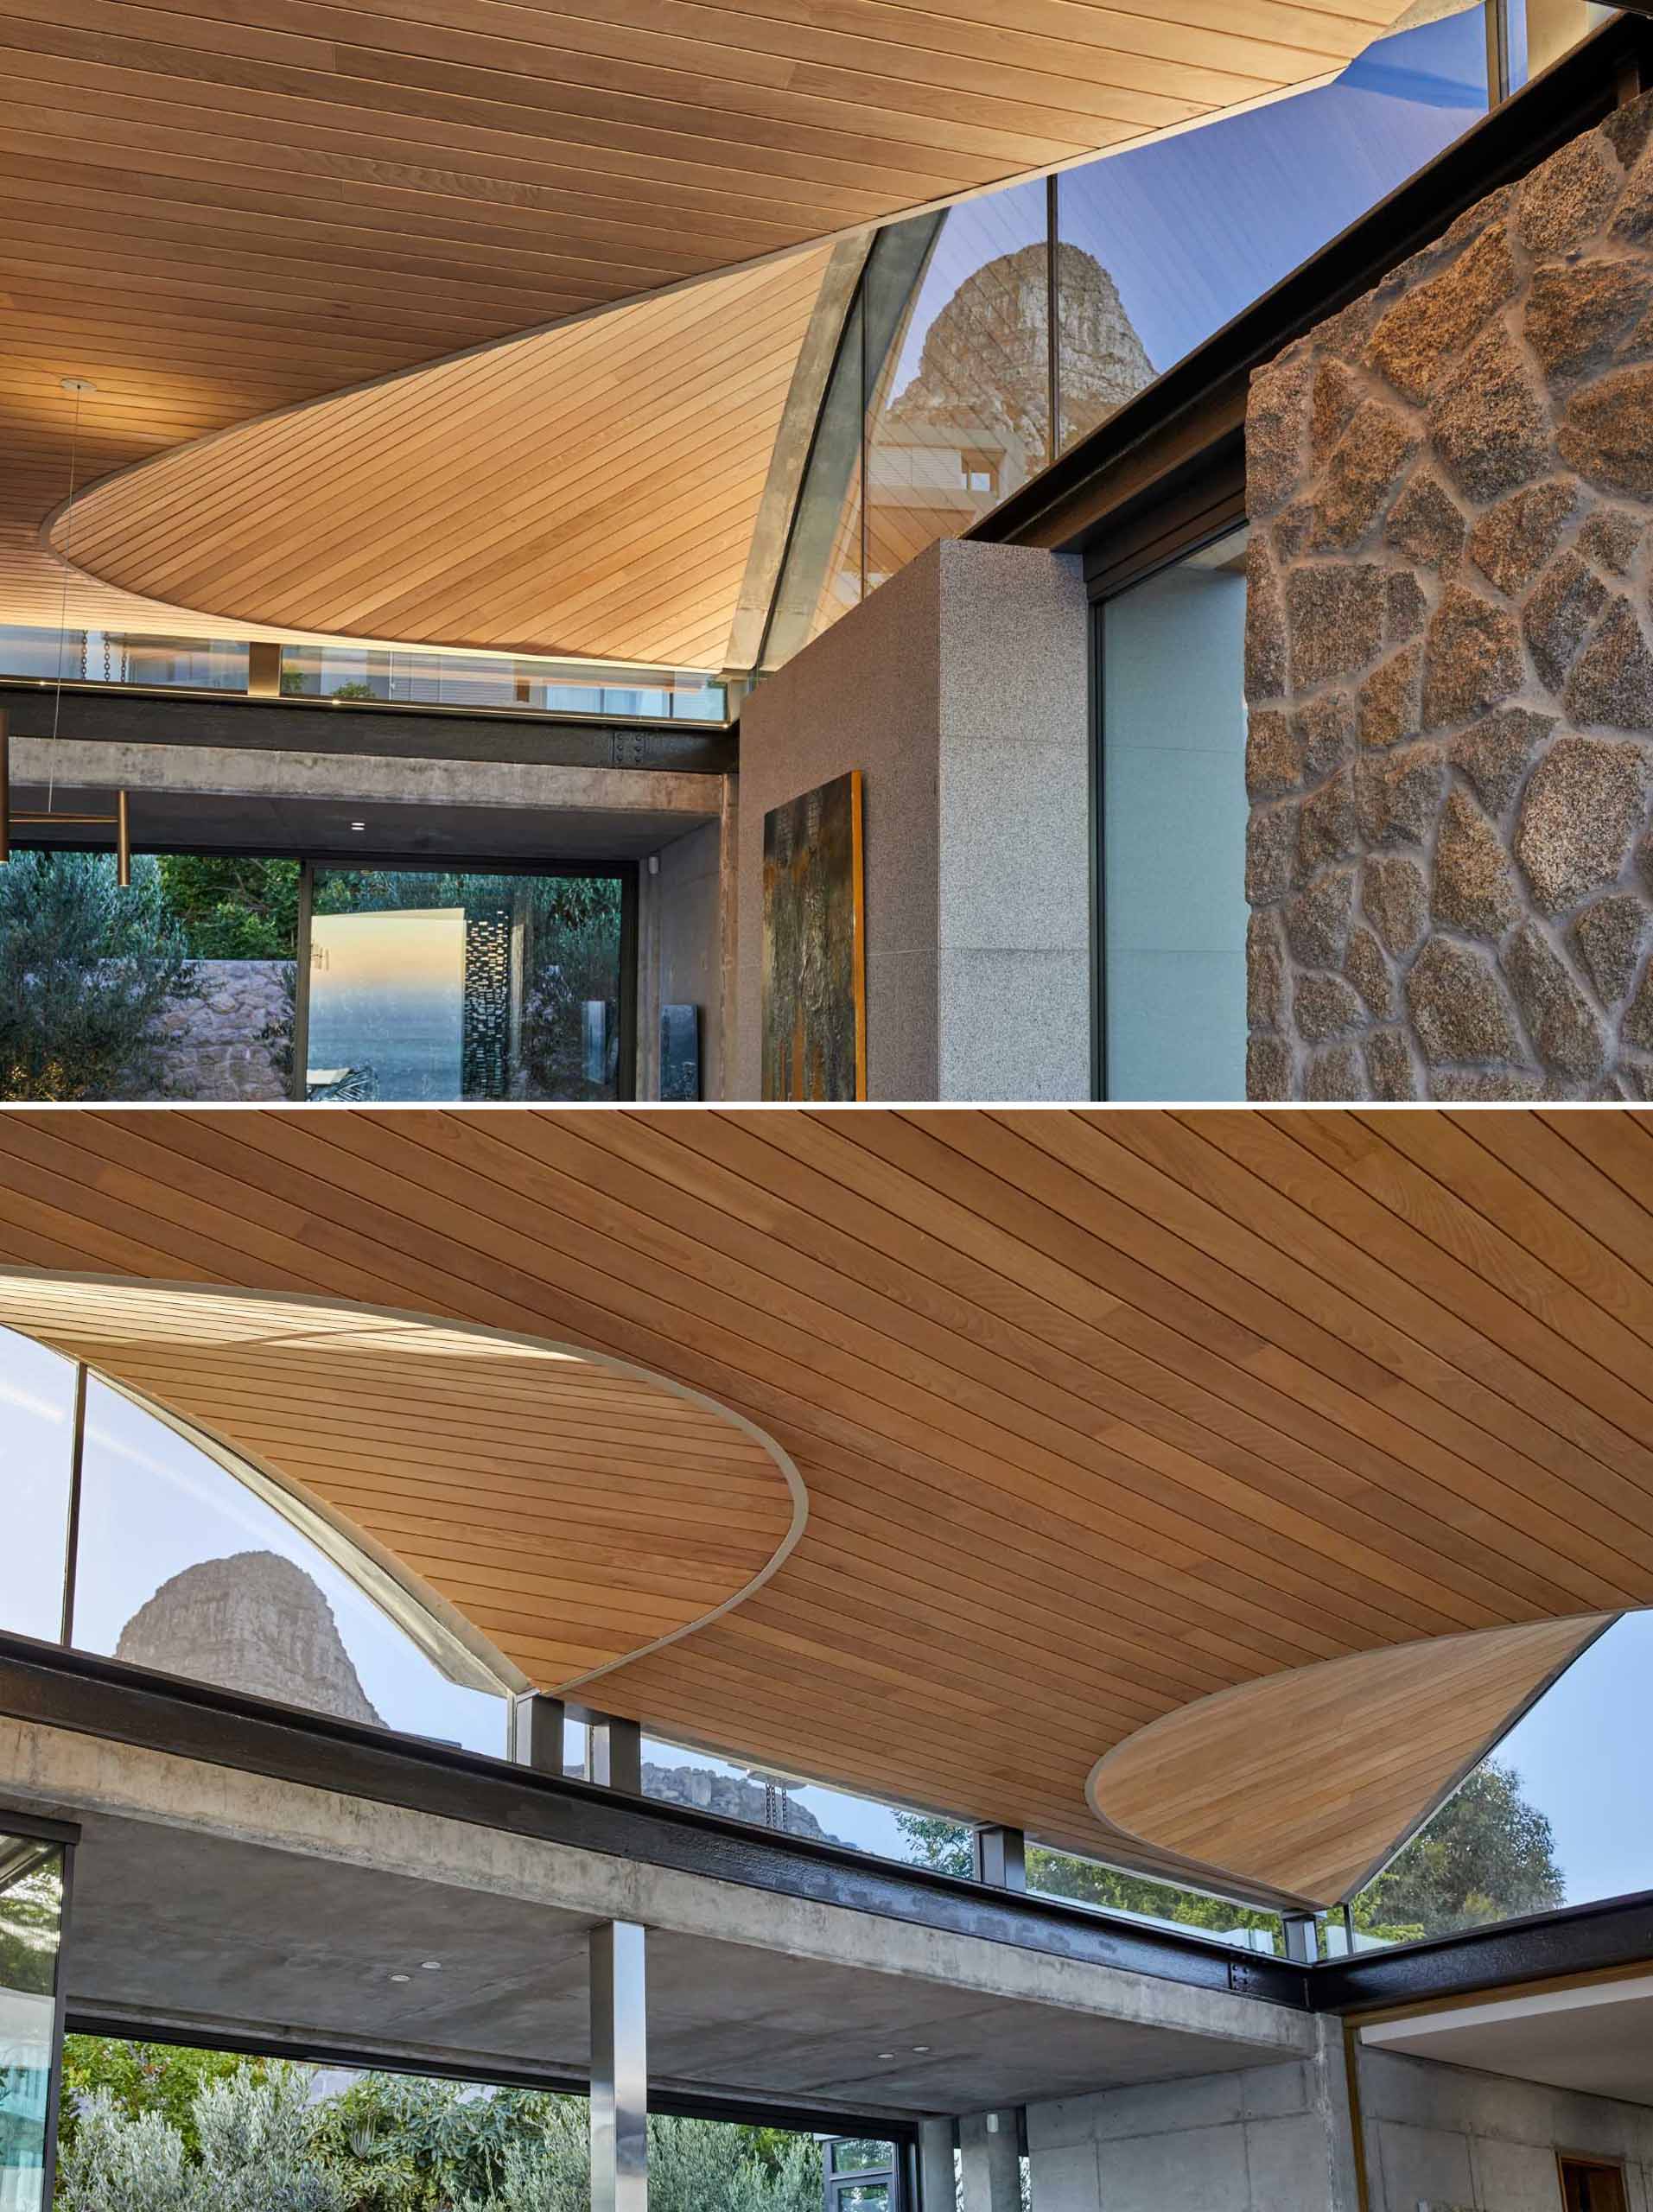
(1079, 2006)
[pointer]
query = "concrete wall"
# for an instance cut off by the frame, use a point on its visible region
(1444, 2137)
(1449, 660)
(680, 936)
(958, 688)
(1271, 2139)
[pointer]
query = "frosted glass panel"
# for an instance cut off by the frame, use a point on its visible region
(1174, 816)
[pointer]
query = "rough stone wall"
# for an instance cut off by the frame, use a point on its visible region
(1448, 664)
(224, 1043)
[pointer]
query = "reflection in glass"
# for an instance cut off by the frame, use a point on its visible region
(820, 574)
(498, 680)
(1172, 829)
(182, 1568)
(1542, 31)
(106, 657)
(958, 386)
(31, 1913)
(36, 1462)
(1163, 244)
(443, 986)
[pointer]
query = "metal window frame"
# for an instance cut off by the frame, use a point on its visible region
(66, 1835)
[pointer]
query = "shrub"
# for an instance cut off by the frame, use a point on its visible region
(85, 969)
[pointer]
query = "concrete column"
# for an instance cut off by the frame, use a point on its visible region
(937, 2179)
(989, 2164)
(960, 691)
(620, 2071)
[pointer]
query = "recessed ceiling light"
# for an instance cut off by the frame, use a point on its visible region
(887, 2054)
(431, 1966)
(82, 387)
(358, 825)
(921, 2046)
(401, 1977)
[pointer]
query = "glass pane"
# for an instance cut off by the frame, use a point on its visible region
(36, 1460)
(1560, 1813)
(440, 986)
(821, 576)
(791, 1807)
(1161, 245)
(183, 1569)
(1542, 31)
(31, 1913)
(1088, 1882)
(958, 404)
(1173, 830)
(102, 656)
(856, 2154)
(498, 681)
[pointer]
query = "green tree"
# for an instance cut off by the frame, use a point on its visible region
(233, 909)
(139, 2078)
(939, 1843)
(86, 969)
(1487, 1855)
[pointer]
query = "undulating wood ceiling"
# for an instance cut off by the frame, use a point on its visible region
(590, 490)
(569, 1510)
(218, 208)
(1099, 1413)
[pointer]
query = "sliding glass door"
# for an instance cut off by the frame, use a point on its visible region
(434, 984)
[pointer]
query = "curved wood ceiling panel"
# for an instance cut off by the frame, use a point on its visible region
(221, 208)
(1099, 1413)
(590, 489)
(1245, 1780)
(570, 1512)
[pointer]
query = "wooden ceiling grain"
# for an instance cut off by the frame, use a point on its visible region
(1099, 1413)
(565, 1511)
(219, 209)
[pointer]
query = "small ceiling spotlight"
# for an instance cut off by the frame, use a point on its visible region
(920, 2047)
(82, 387)
(401, 1977)
(887, 2054)
(431, 1966)
(358, 825)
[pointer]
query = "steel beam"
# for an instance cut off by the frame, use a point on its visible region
(620, 2069)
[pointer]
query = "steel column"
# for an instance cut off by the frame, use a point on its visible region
(537, 1731)
(1000, 1858)
(616, 1754)
(620, 2071)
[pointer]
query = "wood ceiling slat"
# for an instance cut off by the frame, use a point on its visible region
(1100, 1415)
(222, 209)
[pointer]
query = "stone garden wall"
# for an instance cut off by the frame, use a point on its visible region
(1450, 761)
(224, 1043)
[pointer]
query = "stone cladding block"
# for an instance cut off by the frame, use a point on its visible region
(1449, 660)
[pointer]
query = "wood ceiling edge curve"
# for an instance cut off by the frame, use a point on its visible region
(234, 1453)
(1312, 1713)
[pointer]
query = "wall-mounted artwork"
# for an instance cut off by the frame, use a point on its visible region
(814, 949)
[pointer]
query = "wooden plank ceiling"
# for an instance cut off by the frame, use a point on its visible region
(559, 1513)
(1099, 1413)
(219, 208)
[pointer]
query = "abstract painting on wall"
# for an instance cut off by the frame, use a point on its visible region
(813, 948)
